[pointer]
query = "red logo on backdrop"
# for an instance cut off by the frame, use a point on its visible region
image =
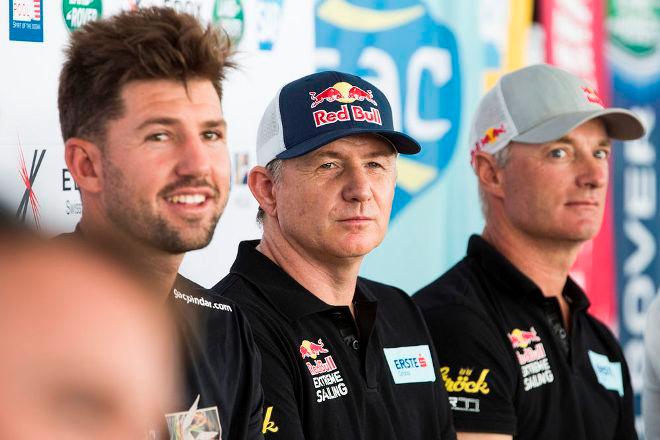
(344, 93)
(29, 197)
(592, 95)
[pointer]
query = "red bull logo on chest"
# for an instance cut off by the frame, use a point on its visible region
(532, 357)
(309, 349)
(346, 94)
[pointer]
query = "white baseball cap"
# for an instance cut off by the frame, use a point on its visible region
(542, 103)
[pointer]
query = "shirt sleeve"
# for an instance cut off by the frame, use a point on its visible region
(476, 368)
(651, 392)
(281, 418)
(252, 385)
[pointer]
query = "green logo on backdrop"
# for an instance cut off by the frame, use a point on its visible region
(634, 26)
(229, 15)
(78, 12)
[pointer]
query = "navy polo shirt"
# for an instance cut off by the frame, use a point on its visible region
(327, 375)
(508, 364)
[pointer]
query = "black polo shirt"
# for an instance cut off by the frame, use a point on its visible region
(221, 365)
(508, 364)
(329, 376)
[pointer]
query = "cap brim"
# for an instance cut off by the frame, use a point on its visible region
(403, 143)
(620, 124)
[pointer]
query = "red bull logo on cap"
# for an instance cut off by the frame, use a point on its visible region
(309, 349)
(342, 92)
(345, 93)
(489, 137)
(592, 95)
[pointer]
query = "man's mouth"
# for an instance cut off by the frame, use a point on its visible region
(187, 199)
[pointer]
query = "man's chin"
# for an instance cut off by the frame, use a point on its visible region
(177, 244)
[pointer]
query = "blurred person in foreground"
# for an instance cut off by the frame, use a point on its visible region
(86, 353)
(521, 356)
(145, 140)
(343, 357)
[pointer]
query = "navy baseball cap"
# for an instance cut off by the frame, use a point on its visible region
(317, 109)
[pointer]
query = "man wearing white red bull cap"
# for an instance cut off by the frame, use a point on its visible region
(343, 357)
(521, 356)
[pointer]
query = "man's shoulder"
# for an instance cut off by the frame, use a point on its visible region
(457, 286)
(605, 334)
(234, 287)
(202, 307)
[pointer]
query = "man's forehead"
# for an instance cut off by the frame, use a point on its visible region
(150, 93)
(367, 144)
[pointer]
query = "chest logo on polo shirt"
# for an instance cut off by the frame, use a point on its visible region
(608, 373)
(530, 352)
(327, 379)
(410, 364)
(203, 423)
(465, 382)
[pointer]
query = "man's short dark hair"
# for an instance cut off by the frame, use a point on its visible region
(150, 43)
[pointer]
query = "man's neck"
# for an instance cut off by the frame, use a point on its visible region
(158, 268)
(333, 281)
(546, 262)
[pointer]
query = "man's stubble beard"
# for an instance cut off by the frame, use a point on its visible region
(135, 218)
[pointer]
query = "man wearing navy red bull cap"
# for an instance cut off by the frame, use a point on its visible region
(521, 356)
(343, 357)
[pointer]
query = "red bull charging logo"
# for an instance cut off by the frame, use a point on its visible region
(522, 338)
(342, 92)
(490, 136)
(592, 95)
(309, 349)
(346, 94)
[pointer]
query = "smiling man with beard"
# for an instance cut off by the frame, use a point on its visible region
(145, 140)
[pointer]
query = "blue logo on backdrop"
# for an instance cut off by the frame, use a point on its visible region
(26, 21)
(413, 59)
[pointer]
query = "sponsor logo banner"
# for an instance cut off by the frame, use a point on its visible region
(77, 13)
(26, 21)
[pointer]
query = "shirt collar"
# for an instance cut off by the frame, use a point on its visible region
(515, 282)
(278, 288)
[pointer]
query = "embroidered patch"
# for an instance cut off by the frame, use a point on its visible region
(410, 364)
(327, 379)
(465, 381)
(608, 373)
(530, 352)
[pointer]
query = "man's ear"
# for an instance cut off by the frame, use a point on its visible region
(83, 158)
(490, 175)
(263, 189)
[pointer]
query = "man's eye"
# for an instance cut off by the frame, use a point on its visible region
(374, 165)
(602, 154)
(558, 153)
(158, 137)
(212, 135)
(327, 166)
